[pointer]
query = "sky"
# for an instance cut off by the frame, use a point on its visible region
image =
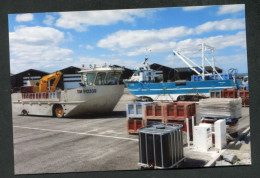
(53, 41)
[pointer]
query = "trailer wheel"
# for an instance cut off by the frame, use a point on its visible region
(24, 112)
(59, 111)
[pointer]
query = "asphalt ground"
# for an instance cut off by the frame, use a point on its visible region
(93, 143)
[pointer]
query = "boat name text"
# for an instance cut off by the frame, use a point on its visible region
(87, 91)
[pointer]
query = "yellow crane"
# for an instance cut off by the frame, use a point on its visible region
(43, 86)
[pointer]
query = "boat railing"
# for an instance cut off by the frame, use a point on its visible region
(41, 95)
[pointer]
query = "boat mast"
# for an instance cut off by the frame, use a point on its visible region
(203, 60)
(186, 60)
(204, 47)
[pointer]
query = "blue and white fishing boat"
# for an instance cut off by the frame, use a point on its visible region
(148, 84)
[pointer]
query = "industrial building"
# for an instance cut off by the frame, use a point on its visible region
(71, 78)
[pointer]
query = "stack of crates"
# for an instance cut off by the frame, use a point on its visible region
(135, 116)
(229, 93)
(155, 112)
(177, 113)
(173, 113)
(244, 94)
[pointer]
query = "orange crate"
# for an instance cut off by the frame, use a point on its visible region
(180, 110)
(229, 93)
(245, 102)
(243, 93)
(134, 124)
(155, 111)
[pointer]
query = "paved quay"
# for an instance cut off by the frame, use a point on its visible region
(92, 143)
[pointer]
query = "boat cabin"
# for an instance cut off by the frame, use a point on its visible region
(147, 76)
(104, 75)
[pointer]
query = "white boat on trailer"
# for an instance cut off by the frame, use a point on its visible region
(98, 92)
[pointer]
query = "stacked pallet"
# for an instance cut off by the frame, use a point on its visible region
(234, 93)
(220, 108)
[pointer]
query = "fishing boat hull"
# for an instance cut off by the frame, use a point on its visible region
(171, 90)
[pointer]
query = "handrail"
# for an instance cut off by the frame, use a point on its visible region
(41, 95)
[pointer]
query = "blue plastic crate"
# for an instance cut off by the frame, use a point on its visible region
(135, 110)
(196, 78)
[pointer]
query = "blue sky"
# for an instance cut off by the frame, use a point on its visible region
(52, 41)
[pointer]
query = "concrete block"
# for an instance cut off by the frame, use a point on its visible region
(243, 142)
(223, 163)
(231, 158)
(231, 144)
(238, 145)
(236, 163)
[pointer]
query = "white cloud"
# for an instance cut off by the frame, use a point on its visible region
(24, 17)
(194, 8)
(237, 61)
(135, 42)
(227, 24)
(49, 19)
(89, 47)
(155, 48)
(228, 9)
(82, 19)
(190, 47)
(37, 47)
(126, 39)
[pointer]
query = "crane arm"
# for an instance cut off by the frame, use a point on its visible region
(43, 87)
(183, 59)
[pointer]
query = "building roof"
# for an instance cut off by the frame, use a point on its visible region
(70, 70)
(156, 66)
(31, 72)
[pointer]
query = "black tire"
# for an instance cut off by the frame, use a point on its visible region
(59, 112)
(24, 112)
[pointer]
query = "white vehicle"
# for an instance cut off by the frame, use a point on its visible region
(98, 92)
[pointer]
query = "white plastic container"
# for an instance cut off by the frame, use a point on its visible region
(220, 134)
(202, 137)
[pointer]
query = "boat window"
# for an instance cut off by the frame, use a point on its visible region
(84, 78)
(136, 74)
(113, 78)
(100, 79)
(90, 78)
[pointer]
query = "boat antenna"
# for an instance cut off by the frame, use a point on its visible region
(146, 64)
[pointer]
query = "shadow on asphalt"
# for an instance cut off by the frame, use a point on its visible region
(192, 163)
(110, 115)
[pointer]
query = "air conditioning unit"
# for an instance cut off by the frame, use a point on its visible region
(202, 137)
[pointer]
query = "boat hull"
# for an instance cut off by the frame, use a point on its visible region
(171, 91)
(75, 102)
